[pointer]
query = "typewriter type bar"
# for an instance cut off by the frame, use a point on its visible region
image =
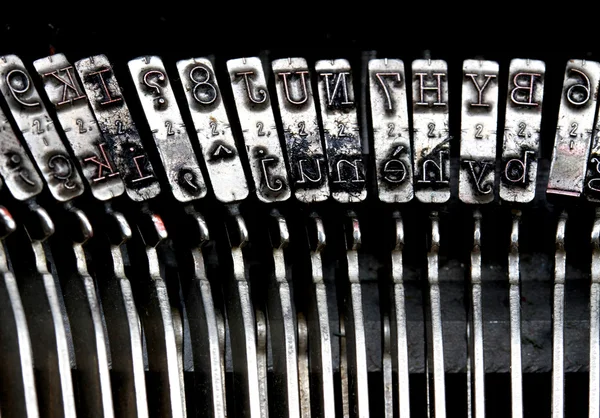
(594, 394)
(212, 126)
(398, 335)
(303, 139)
(246, 338)
(158, 319)
(352, 318)
(16, 168)
(204, 321)
(37, 128)
(521, 140)
(258, 127)
(40, 296)
(479, 121)
(80, 126)
(476, 367)
(19, 398)
(319, 329)
(123, 141)
(347, 166)
(431, 136)
(90, 341)
(558, 314)
(121, 316)
(514, 278)
(574, 128)
(282, 324)
(389, 113)
(435, 340)
(168, 130)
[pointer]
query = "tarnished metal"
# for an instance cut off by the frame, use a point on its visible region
(431, 135)
(574, 128)
(343, 144)
(522, 130)
(303, 367)
(38, 131)
(16, 168)
(79, 126)
(391, 134)
(258, 128)
(123, 142)
(168, 130)
(479, 121)
(262, 360)
(212, 125)
(387, 369)
(303, 138)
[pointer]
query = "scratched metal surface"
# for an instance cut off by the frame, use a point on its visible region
(539, 217)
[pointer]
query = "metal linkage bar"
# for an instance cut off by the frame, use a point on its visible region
(18, 397)
(477, 366)
(203, 317)
(319, 330)
(436, 349)
(399, 340)
(83, 309)
(109, 252)
(594, 404)
(282, 324)
(250, 399)
(558, 321)
(516, 373)
(40, 294)
(354, 326)
(157, 317)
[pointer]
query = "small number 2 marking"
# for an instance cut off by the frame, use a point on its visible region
(479, 131)
(169, 126)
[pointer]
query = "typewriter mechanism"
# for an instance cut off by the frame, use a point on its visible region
(337, 232)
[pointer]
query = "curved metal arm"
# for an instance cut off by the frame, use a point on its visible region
(516, 374)
(594, 403)
(83, 309)
(355, 325)
(558, 346)
(203, 320)
(157, 321)
(19, 398)
(242, 327)
(282, 325)
(319, 330)
(122, 320)
(399, 340)
(40, 295)
(436, 345)
(475, 338)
